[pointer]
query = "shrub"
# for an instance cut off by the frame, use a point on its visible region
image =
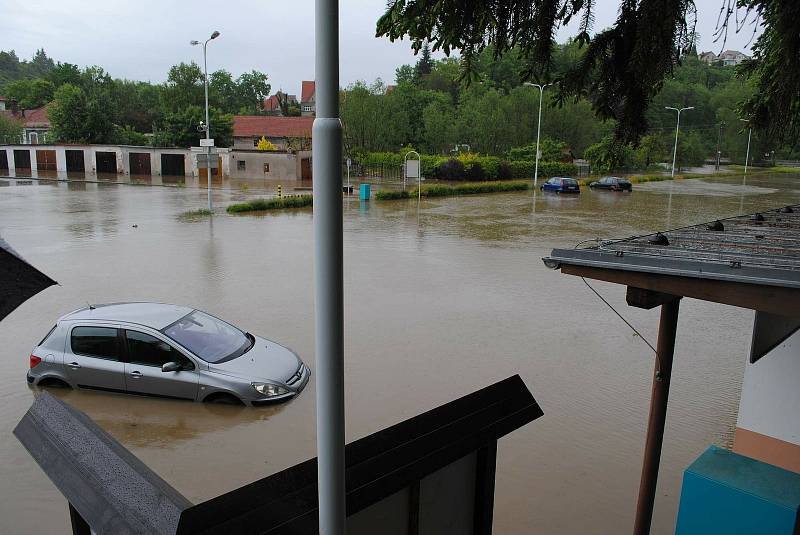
(277, 203)
(471, 188)
(452, 169)
(475, 172)
(504, 171)
(391, 195)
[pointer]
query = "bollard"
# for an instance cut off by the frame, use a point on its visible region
(280, 194)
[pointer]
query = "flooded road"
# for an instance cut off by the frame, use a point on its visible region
(441, 299)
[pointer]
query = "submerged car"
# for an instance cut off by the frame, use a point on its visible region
(561, 185)
(612, 183)
(162, 350)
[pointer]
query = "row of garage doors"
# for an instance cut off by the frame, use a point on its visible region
(105, 162)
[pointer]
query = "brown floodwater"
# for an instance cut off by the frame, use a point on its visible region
(441, 299)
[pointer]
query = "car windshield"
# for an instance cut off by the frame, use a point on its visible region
(210, 338)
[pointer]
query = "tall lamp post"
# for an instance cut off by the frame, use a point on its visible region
(208, 124)
(677, 127)
(719, 138)
(749, 134)
(538, 130)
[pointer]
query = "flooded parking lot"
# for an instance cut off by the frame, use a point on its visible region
(441, 298)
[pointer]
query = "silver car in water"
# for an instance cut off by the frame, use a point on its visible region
(171, 351)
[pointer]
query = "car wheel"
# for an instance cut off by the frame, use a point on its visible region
(52, 382)
(222, 398)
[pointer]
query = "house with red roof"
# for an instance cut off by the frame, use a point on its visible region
(286, 133)
(272, 104)
(35, 123)
(2, 103)
(308, 104)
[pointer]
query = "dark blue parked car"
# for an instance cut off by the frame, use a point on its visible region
(561, 185)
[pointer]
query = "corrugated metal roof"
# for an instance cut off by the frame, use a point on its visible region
(761, 248)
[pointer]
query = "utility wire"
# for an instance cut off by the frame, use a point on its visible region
(620, 316)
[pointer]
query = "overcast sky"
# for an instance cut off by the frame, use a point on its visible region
(140, 40)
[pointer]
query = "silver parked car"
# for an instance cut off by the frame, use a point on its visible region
(171, 351)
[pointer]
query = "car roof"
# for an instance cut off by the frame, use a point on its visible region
(153, 315)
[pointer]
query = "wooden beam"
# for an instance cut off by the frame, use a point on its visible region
(782, 301)
(647, 299)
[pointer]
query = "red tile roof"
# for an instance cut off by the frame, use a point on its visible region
(37, 118)
(308, 90)
(271, 126)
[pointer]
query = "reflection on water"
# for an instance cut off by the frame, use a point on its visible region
(443, 297)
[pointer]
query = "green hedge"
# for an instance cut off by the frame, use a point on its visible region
(277, 203)
(490, 165)
(391, 195)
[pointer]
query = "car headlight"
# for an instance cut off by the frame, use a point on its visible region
(269, 389)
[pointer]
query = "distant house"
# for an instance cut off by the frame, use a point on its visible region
(727, 58)
(308, 104)
(286, 133)
(732, 57)
(272, 105)
(35, 123)
(389, 89)
(2, 103)
(707, 57)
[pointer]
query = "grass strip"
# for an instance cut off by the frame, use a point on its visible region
(277, 203)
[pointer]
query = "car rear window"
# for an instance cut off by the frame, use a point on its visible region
(48, 335)
(100, 342)
(570, 182)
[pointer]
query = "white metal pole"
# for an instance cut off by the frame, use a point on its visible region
(538, 133)
(675, 150)
(747, 155)
(328, 271)
(208, 125)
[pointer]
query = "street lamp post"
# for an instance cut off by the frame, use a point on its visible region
(719, 138)
(749, 134)
(538, 130)
(677, 127)
(208, 124)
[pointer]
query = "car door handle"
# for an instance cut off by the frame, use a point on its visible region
(136, 375)
(74, 365)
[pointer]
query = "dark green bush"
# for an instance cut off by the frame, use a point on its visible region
(504, 171)
(452, 169)
(475, 172)
(391, 195)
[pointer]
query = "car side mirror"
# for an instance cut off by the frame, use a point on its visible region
(171, 367)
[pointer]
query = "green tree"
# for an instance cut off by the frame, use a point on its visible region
(223, 92)
(180, 128)
(68, 115)
(404, 74)
(64, 73)
(253, 89)
(10, 130)
(30, 93)
(424, 64)
(624, 66)
(184, 87)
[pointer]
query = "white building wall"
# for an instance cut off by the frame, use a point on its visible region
(770, 402)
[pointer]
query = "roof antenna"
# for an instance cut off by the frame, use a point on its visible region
(91, 307)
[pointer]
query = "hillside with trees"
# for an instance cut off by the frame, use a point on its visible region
(90, 106)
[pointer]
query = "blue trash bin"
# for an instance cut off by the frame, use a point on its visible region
(363, 192)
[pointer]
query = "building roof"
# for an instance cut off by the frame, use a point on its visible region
(271, 126)
(272, 103)
(154, 315)
(746, 258)
(308, 90)
(2, 98)
(37, 117)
